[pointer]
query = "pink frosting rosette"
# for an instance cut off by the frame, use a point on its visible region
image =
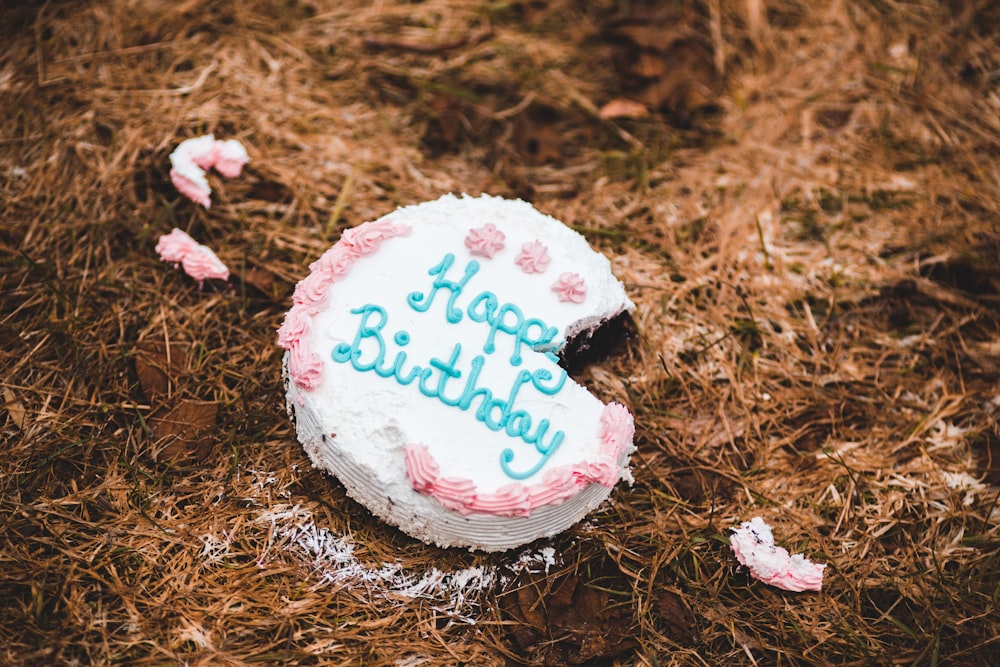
(455, 494)
(366, 238)
(558, 485)
(485, 241)
(304, 366)
(570, 287)
(421, 467)
(534, 257)
(617, 429)
(311, 291)
(601, 471)
(336, 261)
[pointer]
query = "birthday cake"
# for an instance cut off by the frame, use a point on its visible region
(422, 369)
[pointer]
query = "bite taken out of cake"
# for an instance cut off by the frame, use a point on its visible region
(424, 368)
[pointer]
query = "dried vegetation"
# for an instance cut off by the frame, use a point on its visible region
(802, 199)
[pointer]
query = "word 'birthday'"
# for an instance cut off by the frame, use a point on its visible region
(442, 379)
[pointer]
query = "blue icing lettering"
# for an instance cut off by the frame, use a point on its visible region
(368, 350)
(422, 302)
(344, 352)
(448, 372)
(486, 308)
(507, 455)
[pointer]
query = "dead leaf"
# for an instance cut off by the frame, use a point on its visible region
(665, 59)
(264, 281)
(15, 409)
(159, 365)
(183, 431)
(564, 620)
(674, 613)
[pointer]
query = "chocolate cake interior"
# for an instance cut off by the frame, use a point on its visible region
(593, 345)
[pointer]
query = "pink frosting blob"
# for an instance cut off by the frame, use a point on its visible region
(193, 157)
(753, 545)
(199, 193)
(198, 261)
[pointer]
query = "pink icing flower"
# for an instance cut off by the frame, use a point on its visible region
(336, 261)
(602, 471)
(534, 257)
(453, 493)
(198, 261)
(510, 500)
(557, 485)
(753, 545)
(570, 287)
(485, 241)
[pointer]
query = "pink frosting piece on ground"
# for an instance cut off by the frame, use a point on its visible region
(192, 185)
(231, 158)
(753, 544)
(193, 157)
(198, 261)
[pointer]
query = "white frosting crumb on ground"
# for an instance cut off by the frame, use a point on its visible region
(332, 559)
(753, 544)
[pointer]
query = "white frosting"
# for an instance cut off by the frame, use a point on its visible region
(357, 423)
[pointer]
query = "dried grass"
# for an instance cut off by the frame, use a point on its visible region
(806, 219)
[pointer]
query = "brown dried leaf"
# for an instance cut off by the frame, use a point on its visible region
(159, 364)
(262, 280)
(674, 613)
(183, 431)
(564, 620)
(15, 409)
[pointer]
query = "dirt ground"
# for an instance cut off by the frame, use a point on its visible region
(800, 197)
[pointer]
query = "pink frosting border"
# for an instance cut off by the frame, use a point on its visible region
(305, 368)
(516, 499)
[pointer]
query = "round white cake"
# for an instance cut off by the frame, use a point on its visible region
(421, 370)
